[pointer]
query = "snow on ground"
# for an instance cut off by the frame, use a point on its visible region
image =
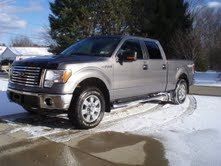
(209, 78)
(190, 137)
(7, 108)
(3, 84)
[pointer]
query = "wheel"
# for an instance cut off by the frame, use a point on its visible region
(180, 93)
(30, 110)
(87, 109)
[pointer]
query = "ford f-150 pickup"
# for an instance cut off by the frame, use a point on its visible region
(90, 76)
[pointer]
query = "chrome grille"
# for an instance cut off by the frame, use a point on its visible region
(27, 76)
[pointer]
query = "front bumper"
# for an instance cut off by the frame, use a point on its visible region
(40, 100)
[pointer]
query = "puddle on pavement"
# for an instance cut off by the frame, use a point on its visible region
(107, 148)
(125, 149)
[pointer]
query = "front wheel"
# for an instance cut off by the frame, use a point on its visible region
(87, 109)
(180, 93)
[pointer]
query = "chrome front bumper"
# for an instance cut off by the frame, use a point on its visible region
(46, 101)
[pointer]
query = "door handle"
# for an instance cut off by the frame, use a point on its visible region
(164, 67)
(145, 67)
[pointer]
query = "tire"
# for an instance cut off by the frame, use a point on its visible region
(180, 93)
(87, 108)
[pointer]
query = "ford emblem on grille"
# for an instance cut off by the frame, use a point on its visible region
(21, 74)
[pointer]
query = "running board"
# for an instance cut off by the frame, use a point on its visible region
(153, 97)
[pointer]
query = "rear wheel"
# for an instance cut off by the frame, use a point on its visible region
(87, 109)
(180, 93)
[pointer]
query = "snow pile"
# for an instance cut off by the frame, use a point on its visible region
(209, 78)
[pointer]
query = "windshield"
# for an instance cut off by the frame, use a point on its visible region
(95, 46)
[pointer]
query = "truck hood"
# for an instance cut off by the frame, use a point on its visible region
(55, 61)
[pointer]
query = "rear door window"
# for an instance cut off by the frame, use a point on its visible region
(153, 50)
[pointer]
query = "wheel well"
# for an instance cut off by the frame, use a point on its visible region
(97, 83)
(184, 76)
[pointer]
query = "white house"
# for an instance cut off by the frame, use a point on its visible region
(10, 53)
(2, 49)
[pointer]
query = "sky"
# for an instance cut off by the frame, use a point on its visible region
(23, 17)
(30, 17)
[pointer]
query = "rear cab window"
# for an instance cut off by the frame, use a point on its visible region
(153, 50)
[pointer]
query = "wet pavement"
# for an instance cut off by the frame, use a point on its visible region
(50, 139)
(107, 148)
(205, 90)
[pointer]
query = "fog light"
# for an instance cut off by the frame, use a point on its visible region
(48, 101)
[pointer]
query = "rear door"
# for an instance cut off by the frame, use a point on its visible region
(157, 67)
(130, 77)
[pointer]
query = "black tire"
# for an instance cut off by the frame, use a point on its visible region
(30, 110)
(179, 94)
(78, 108)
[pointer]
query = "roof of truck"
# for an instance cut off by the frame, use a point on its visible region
(124, 36)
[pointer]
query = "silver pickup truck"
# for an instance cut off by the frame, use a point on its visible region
(90, 76)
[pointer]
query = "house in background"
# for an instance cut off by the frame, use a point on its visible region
(2, 49)
(17, 53)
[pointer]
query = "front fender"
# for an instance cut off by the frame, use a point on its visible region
(81, 75)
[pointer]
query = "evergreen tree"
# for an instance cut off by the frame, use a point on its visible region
(160, 19)
(72, 20)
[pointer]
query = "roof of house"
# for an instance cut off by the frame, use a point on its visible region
(30, 50)
(2, 49)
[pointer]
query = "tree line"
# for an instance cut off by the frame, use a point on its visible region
(72, 20)
(185, 30)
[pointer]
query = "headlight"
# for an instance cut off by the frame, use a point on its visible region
(56, 76)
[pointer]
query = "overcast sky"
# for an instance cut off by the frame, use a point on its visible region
(28, 17)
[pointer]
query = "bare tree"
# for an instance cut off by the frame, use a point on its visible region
(47, 37)
(208, 25)
(21, 41)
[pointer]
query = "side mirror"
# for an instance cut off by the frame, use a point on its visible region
(128, 56)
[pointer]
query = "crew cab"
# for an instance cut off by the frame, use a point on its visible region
(92, 74)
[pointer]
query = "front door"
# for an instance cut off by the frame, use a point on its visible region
(130, 77)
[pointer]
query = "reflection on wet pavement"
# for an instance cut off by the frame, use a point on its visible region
(44, 152)
(124, 149)
(108, 148)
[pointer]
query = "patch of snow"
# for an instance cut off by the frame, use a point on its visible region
(131, 109)
(30, 51)
(190, 137)
(3, 84)
(37, 131)
(8, 108)
(2, 49)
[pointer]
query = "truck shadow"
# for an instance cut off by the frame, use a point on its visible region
(56, 119)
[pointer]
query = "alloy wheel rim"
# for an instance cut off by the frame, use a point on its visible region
(91, 108)
(182, 92)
